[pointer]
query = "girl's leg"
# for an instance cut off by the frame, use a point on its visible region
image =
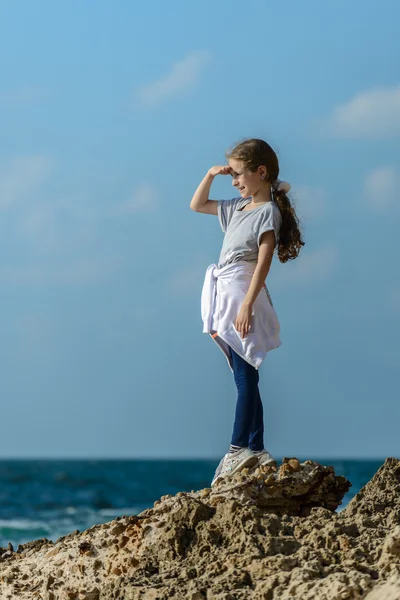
(248, 414)
(256, 438)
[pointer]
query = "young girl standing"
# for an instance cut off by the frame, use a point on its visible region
(236, 306)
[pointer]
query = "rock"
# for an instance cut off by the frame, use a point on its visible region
(389, 559)
(294, 489)
(87, 548)
(92, 595)
(268, 533)
(97, 564)
(389, 590)
(35, 544)
(50, 581)
(118, 529)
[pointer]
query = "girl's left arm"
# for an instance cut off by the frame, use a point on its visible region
(265, 254)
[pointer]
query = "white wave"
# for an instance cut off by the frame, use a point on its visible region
(71, 510)
(23, 524)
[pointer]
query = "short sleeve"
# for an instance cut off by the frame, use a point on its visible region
(226, 208)
(271, 220)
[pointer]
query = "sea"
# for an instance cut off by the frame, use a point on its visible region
(51, 498)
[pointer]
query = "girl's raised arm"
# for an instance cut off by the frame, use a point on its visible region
(200, 202)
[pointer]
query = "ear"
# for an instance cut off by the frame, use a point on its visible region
(263, 172)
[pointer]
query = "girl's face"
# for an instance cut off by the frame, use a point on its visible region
(245, 181)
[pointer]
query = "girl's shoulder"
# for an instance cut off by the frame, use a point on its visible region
(239, 201)
(274, 208)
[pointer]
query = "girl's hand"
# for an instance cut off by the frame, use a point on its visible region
(243, 320)
(220, 170)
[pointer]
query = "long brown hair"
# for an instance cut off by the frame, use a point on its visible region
(253, 153)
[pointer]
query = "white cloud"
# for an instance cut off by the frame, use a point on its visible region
(189, 279)
(22, 177)
(183, 75)
(186, 281)
(85, 271)
(62, 223)
(310, 202)
(57, 224)
(144, 198)
(58, 235)
(25, 95)
(381, 187)
(306, 268)
(370, 114)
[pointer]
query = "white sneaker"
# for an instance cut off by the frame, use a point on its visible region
(265, 458)
(233, 462)
(218, 470)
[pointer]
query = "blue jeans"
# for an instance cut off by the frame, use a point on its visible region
(248, 428)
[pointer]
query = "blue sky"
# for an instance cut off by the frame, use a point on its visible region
(111, 114)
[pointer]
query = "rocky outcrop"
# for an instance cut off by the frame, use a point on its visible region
(271, 533)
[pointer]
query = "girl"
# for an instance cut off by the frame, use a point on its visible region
(236, 306)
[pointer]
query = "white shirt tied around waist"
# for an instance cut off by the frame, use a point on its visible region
(223, 292)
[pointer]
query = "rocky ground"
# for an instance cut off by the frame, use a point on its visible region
(271, 533)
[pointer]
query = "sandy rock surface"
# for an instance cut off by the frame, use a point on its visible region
(266, 534)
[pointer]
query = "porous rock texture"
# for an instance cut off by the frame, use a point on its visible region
(265, 534)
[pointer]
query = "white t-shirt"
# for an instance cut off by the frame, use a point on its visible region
(243, 229)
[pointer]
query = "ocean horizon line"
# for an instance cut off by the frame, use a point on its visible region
(301, 457)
